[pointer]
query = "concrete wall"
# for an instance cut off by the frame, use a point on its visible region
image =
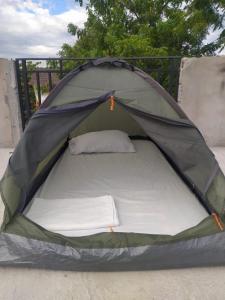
(10, 120)
(202, 96)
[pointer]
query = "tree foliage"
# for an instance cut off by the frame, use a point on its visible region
(148, 27)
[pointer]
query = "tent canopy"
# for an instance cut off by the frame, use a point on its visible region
(80, 103)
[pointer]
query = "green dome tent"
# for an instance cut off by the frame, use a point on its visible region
(110, 94)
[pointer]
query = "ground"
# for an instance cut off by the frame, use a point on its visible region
(30, 284)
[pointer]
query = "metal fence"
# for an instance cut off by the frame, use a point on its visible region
(37, 76)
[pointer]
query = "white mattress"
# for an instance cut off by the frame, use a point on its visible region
(148, 194)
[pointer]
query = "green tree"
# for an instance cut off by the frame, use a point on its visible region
(148, 27)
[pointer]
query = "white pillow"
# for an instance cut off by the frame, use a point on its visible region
(101, 142)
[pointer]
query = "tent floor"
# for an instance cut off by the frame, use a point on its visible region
(197, 283)
(149, 196)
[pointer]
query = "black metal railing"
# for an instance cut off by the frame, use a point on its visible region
(37, 76)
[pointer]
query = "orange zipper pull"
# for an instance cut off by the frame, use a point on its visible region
(112, 103)
(218, 221)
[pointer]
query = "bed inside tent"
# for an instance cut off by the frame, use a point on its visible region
(141, 191)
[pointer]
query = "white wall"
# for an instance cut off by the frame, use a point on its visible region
(202, 96)
(10, 120)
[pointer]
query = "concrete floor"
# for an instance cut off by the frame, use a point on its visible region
(27, 284)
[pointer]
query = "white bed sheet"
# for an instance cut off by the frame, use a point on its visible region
(148, 194)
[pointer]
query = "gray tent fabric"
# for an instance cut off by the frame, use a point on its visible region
(199, 169)
(46, 137)
(38, 254)
(55, 126)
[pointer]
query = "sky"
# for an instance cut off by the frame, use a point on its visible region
(37, 28)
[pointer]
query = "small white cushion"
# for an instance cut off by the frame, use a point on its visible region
(74, 213)
(101, 142)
